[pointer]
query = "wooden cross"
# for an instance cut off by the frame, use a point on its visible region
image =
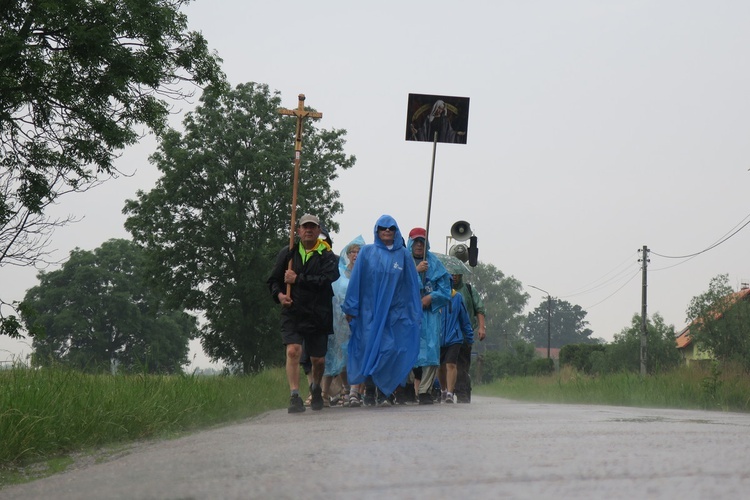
(301, 114)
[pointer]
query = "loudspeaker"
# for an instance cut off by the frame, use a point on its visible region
(473, 252)
(461, 230)
(460, 251)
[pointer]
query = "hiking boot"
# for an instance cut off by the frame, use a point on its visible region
(425, 398)
(354, 401)
(295, 404)
(317, 397)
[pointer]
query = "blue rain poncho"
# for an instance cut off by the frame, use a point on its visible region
(338, 343)
(383, 299)
(435, 282)
(456, 325)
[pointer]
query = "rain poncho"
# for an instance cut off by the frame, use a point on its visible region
(338, 343)
(383, 298)
(436, 282)
(456, 325)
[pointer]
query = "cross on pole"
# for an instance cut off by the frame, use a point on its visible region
(301, 114)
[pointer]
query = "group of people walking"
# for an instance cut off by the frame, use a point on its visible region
(394, 314)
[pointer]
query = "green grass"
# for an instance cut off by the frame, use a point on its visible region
(685, 388)
(47, 413)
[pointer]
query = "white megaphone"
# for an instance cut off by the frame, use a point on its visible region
(461, 231)
(460, 251)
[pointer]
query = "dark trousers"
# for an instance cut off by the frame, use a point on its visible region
(463, 381)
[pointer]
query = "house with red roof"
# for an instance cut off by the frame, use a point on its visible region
(690, 350)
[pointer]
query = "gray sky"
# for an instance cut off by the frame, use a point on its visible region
(595, 128)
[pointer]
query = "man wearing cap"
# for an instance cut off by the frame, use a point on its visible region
(435, 290)
(307, 311)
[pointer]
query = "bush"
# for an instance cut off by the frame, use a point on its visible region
(516, 361)
(579, 356)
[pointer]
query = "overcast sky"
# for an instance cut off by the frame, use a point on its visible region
(595, 128)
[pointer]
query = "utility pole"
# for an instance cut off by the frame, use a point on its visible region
(549, 317)
(644, 319)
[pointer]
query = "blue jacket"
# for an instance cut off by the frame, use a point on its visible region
(437, 283)
(383, 298)
(456, 323)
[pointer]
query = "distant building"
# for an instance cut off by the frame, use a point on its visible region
(689, 350)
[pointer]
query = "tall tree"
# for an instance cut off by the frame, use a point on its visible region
(219, 214)
(504, 301)
(720, 321)
(624, 352)
(567, 324)
(97, 312)
(77, 79)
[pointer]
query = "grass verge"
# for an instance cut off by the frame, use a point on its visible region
(684, 388)
(48, 415)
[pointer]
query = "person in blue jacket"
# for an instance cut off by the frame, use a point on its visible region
(435, 292)
(383, 309)
(455, 332)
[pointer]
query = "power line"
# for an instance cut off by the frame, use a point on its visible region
(713, 245)
(630, 262)
(613, 293)
(616, 277)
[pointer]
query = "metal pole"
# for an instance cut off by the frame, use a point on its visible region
(644, 317)
(549, 317)
(549, 321)
(429, 200)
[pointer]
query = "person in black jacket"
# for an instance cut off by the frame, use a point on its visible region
(307, 311)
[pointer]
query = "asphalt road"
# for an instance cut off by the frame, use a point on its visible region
(493, 448)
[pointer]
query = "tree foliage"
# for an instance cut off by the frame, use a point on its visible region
(77, 79)
(720, 322)
(567, 324)
(518, 360)
(579, 356)
(504, 301)
(97, 310)
(623, 354)
(219, 214)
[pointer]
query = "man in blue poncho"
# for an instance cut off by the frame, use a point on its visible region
(435, 291)
(384, 312)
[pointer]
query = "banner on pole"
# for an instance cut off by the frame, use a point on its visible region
(446, 115)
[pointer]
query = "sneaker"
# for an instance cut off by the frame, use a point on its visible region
(384, 403)
(448, 399)
(425, 399)
(354, 401)
(295, 404)
(369, 400)
(317, 398)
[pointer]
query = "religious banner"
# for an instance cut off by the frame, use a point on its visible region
(437, 118)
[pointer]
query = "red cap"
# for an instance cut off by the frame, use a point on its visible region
(417, 232)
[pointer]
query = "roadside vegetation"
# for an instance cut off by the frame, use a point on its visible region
(706, 387)
(47, 414)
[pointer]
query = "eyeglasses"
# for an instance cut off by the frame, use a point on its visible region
(391, 229)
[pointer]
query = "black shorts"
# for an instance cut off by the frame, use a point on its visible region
(316, 346)
(449, 353)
